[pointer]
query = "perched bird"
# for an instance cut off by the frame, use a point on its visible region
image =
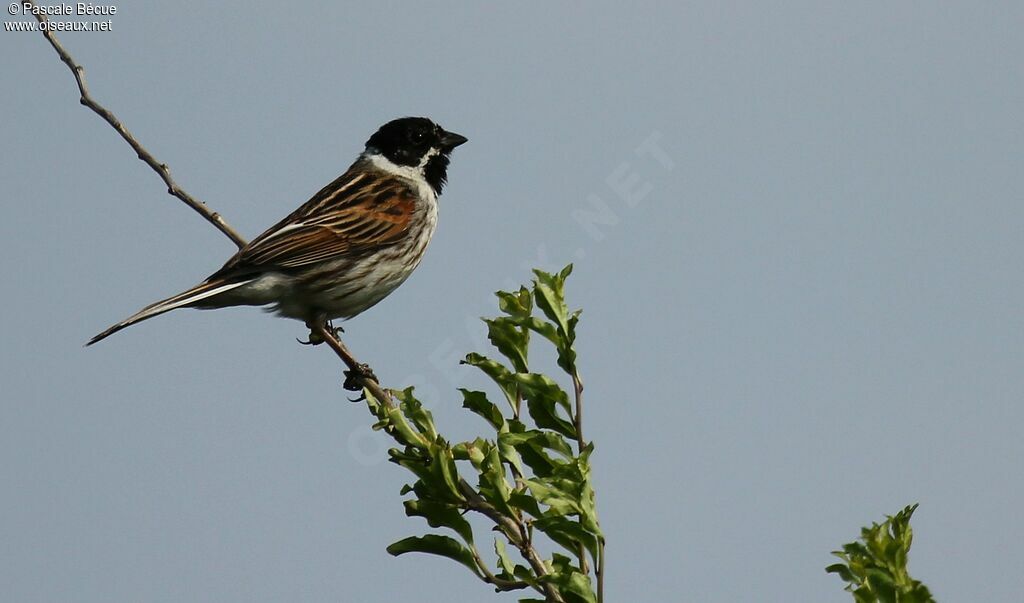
(345, 249)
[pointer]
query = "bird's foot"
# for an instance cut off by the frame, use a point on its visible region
(315, 338)
(355, 379)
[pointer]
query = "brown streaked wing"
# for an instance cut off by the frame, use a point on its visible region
(366, 216)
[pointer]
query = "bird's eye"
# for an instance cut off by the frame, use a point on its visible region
(418, 136)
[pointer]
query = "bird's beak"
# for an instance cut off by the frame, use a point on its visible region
(450, 140)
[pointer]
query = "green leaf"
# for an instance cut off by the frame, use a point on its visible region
(403, 431)
(543, 398)
(510, 339)
(435, 544)
(436, 470)
(537, 385)
(540, 439)
(572, 584)
(588, 504)
(460, 451)
(525, 503)
(507, 567)
(559, 501)
(568, 533)
(538, 460)
(510, 455)
(577, 589)
(414, 411)
(478, 403)
(440, 515)
(525, 574)
(372, 403)
(444, 471)
(493, 486)
(843, 571)
(544, 329)
(561, 563)
(497, 372)
(476, 450)
(544, 414)
(549, 293)
(516, 305)
(566, 351)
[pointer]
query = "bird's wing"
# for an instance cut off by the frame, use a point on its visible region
(356, 215)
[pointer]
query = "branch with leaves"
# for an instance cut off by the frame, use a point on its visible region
(530, 480)
(533, 477)
(875, 567)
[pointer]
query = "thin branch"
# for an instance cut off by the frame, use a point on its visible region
(500, 584)
(516, 534)
(160, 168)
(577, 385)
(359, 371)
(599, 569)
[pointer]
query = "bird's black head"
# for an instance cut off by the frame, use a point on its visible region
(417, 142)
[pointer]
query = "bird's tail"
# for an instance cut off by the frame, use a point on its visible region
(195, 294)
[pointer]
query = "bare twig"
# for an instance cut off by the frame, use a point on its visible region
(160, 168)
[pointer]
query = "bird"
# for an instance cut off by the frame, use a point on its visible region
(348, 247)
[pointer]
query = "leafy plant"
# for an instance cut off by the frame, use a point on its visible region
(531, 478)
(875, 567)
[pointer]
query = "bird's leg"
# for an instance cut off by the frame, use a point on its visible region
(314, 337)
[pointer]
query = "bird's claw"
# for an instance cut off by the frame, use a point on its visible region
(315, 338)
(355, 380)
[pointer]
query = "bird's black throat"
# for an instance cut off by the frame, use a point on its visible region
(436, 171)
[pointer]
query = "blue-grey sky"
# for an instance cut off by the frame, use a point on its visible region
(802, 313)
